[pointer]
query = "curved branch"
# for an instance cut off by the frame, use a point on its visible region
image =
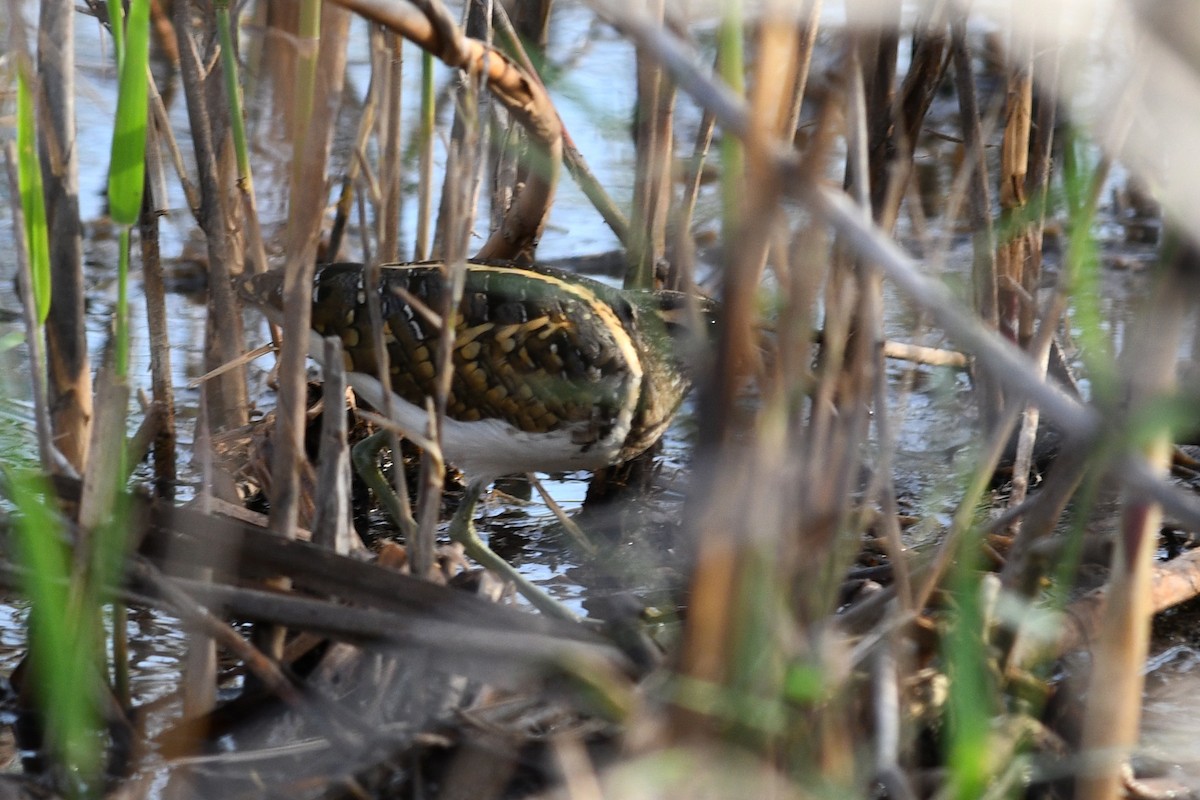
(427, 24)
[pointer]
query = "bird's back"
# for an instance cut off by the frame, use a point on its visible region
(548, 368)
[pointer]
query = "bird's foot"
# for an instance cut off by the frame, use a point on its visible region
(365, 456)
(462, 530)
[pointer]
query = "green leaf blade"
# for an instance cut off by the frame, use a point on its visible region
(127, 170)
(33, 199)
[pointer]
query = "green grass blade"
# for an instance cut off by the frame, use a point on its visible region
(61, 641)
(127, 167)
(33, 200)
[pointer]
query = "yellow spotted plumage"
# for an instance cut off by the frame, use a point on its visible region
(550, 371)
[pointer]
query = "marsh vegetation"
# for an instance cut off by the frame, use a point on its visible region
(923, 528)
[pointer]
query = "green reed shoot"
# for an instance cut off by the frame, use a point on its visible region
(972, 694)
(233, 91)
(33, 204)
(1082, 265)
(60, 640)
(127, 165)
(425, 138)
(126, 185)
(64, 642)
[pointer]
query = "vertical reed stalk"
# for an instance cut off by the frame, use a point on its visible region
(653, 135)
(320, 71)
(158, 328)
(425, 140)
(1111, 718)
(391, 151)
(226, 34)
(68, 370)
(1013, 250)
(223, 327)
(979, 211)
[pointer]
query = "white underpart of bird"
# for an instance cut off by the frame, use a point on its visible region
(488, 449)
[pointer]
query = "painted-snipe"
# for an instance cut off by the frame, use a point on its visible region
(551, 371)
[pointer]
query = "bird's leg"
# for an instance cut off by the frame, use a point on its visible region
(462, 525)
(462, 530)
(365, 456)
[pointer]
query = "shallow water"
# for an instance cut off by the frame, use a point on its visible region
(932, 423)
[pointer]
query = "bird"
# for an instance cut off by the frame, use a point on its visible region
(551, 371)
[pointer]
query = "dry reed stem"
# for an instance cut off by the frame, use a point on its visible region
(158, 334)
(316, 93)
(332, 525)
(1110, 726)
(223, 334)
(366, 122)
(654, 150)
(391, 166)
(983, 265)
(68, 372)
(458, 210)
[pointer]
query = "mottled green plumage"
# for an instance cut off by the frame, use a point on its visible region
(550, 370)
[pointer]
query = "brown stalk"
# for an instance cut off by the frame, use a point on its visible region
(1041, 145)
(875, 30)
(461, 168)
(854, 377)
(1015, 304)
(167, 139)
(199, 669)
(1110, 724)
(223, 334)
(1016, 318)
(653, 138)
(366, 124)
(979, 212)
(332, 526)
(738, 568)
(305, 211)
(391, 156)
(159, 339)
(68, 372)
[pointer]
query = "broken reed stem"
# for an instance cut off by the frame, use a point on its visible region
(349, 193)
(332, 526)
